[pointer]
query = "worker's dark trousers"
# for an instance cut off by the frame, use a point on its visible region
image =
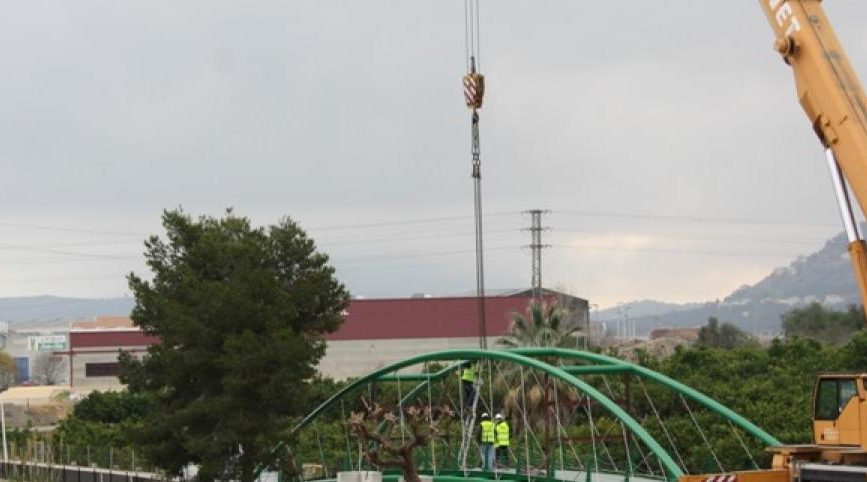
(502, 457)
(469, 393)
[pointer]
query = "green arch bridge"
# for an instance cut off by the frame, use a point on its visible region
(570, 412)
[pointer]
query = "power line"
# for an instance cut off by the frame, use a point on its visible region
(126, 257)
(456, 262)
(66, 255)
(40, 227)
(699, 238)
(142, 236)
(45, 305)
(373, 224)
(54, 260)
(85, 243)
(419, 255)
(672, 251)
(21, 247)
(36, 248)
(378, 224)
(422, 237)
(61, 278)
(691, 219)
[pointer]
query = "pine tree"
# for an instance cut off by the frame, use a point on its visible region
(240, 314)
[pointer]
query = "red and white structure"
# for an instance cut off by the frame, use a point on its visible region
(721, 478)
(377, 332)
(94, 347)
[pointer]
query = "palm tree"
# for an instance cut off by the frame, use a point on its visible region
(546, 402)
(545, 325)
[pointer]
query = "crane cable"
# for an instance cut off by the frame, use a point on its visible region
(474, 91)
(471, 34)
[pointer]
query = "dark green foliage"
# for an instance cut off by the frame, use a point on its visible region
(104, 419)
(771, 386)
(433, 367)
(854, 353)
(725, 335)
(241, 313)
(320, 389)
(84, 433)
(325, 442)
(817, 322)
(111, 407)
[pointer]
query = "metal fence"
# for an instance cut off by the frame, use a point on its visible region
(52, 451)
(42, 472)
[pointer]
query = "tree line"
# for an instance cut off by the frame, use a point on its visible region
(242, 312)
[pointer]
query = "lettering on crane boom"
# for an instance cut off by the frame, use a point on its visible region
(784, 14)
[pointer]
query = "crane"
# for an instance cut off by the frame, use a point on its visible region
(833, 99)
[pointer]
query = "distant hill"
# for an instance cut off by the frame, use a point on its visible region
(648, 309)
(28, 309)
(824, 276)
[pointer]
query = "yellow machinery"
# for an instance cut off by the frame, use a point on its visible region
(833, 99)
(839, 451)
(838, 410)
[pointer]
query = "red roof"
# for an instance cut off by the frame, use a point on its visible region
(109, 338)
(427, 317)
(105, 323)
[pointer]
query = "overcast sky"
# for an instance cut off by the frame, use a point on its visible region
(664, 137)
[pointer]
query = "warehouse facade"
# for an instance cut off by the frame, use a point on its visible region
(378, 332)
(94, 347)
(375, 333)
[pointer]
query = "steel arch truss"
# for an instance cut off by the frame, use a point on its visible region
(592, 364)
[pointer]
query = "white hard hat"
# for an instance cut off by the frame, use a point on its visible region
(498, 416)
(485, 415)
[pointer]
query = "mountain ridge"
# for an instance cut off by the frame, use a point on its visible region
(824, 276)
(46, 308)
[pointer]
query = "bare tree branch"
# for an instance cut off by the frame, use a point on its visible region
(373, 427)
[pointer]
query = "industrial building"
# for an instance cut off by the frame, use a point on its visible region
(94, 347)
(31, 345)
(377, 332)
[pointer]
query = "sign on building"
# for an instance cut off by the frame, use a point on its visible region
(47, 343)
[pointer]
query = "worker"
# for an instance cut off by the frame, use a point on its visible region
(501, 439)
(486, 442)
(468, 380)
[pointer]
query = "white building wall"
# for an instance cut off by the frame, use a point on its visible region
(17, 344)
(354, 358)
(80, 380)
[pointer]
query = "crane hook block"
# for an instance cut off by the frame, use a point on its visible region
(474, 90)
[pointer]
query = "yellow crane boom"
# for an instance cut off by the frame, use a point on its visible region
(834, 101)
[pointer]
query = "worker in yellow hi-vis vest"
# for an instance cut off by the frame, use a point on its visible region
(501, 439)
(468, 380)
(486, 442)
